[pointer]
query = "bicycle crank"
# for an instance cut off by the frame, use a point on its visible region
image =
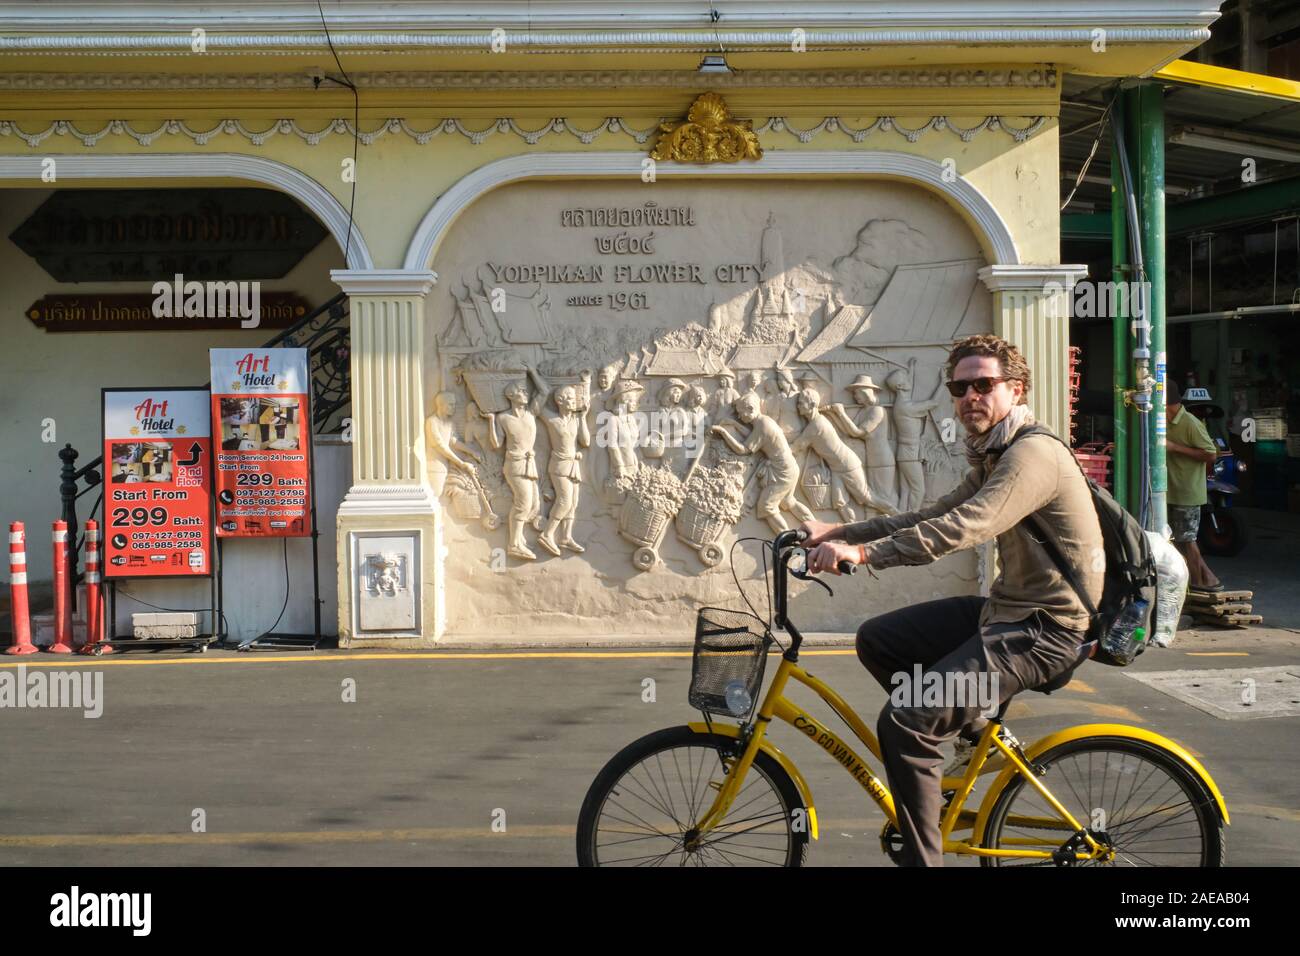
(1067, 853)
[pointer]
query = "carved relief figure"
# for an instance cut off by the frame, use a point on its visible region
(909, 421)
(780, 472)
(608, 375)
(674, 422)
(567, 430)
(464, 490)
(871, 425)
(518, 425)
(697, 415)
(847, 473)
(782, 403)
(624, 432)
(726, 394)
(442, 445)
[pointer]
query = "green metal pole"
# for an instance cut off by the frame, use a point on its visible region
(1121, 347)
(1128, 100)
(1151, 191)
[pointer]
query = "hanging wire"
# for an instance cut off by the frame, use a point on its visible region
(731, 559)
(1083, 170)
(356, 126)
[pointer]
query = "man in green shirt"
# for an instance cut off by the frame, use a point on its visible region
(1189, 449)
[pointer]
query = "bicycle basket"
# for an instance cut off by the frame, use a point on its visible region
(727, 667)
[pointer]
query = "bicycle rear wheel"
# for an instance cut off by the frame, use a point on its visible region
(642, 806)
(1141, 800)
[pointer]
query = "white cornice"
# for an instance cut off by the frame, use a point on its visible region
(1029, 278)
(598, 15)
(991, 228)
(384, 281)
(313, 196)
(373, 500)
(1040, 77)
(607, 41)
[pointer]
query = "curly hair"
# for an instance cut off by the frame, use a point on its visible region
(1013, 363)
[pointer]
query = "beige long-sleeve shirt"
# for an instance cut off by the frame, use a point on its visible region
(1035, 475)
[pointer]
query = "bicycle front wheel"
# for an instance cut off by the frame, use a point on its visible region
(642, 807)
(1142, 801)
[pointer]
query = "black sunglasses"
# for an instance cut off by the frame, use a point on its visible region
(957, 387)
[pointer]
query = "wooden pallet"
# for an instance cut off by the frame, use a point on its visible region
(1232, 620)
(1216, 610)
(1220, 597)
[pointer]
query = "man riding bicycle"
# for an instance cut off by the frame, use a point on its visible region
(1031, 628)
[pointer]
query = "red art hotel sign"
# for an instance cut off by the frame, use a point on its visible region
(262, 419)
(158, 477)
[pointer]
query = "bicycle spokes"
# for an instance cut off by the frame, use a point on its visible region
(649, 816)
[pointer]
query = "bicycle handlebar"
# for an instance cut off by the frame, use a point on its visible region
(794, 536)
(783, 549)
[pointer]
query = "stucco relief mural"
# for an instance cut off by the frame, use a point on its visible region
(634, 384)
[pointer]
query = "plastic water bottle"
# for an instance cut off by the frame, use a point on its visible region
(1171, 588)
(1124, 640)
(737, 697)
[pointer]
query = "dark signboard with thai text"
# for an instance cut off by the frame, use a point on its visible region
(121, 235)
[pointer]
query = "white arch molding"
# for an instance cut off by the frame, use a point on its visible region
(876, 164)
(312, 195)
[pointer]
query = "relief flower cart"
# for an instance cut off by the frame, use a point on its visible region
(654, 495)
(714, 498)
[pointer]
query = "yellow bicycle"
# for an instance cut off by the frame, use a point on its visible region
(719, 794)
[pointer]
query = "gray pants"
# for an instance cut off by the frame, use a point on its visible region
(945, 637)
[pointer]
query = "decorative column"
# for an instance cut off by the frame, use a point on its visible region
(389, 524)
(1031, 309)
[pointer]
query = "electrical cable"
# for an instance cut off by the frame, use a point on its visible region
(731, 559)
(271, 629)
(1083, 170)
(356, 124)
(225, 624)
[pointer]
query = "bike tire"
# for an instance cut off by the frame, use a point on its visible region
(676, 739)
(1201, 803)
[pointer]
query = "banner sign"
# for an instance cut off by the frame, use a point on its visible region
(262, 419)
(158, 482)
(139, 312)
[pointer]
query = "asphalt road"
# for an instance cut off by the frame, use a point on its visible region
(417, 769)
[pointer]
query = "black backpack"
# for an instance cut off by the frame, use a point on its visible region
(1130, 565)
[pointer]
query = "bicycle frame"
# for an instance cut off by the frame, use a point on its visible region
(776, 705)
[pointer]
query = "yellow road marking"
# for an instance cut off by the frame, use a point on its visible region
(327, 657)
(1218, 653)
(1081, 686)
(1023, 709)
(255, 658)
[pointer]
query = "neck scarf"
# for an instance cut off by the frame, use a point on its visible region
(996, 438)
